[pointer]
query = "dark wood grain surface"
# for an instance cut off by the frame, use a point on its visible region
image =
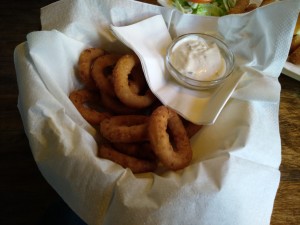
(25, 196)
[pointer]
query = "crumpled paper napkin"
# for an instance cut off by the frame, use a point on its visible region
(233, 177)
(150, 39)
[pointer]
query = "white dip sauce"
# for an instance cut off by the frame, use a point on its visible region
(195, 58)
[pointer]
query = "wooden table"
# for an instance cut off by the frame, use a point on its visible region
(26, 196)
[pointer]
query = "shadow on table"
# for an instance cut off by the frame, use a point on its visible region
(59, 213)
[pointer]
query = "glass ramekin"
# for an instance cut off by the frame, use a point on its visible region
(225, 51)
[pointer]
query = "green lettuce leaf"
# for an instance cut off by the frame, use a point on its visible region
(216, 8)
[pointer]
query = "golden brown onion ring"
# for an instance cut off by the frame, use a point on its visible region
(83, 100)
(102, 79)
(125, 129)
(294, 57)
(191, 128)
(121, 84)
(114, 105)
(136, 165)
(240, 7)
(162, 122)
(85, 63)
(137, 81)
(138, 150)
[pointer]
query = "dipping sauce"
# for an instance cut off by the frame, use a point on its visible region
(193, 57)
(199, 61)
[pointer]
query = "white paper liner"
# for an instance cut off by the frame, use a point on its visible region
(234, 175)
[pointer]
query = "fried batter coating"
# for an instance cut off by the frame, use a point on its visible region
(103, 78)
(125, 128)
(250, 7)
(122, 89)
(136, 165)
(239, 7)
(85, 63)
(294, 57)
(295, 43)
(82, 100)
(169, 139)
(266, 2)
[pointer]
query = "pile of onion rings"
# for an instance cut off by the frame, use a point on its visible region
(136, 131)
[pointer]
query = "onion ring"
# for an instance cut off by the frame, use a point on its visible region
(137, 81)
(121, 84)
(104, 81)
(266, 2)
(85, 63)
(191, 128)
(162, 121)
(125, 129)
(136, 165)
(294, 57)
(82, 100)
(114, 105)
(295, 41)
(239, 7)
(137, 150)
(251, 7)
